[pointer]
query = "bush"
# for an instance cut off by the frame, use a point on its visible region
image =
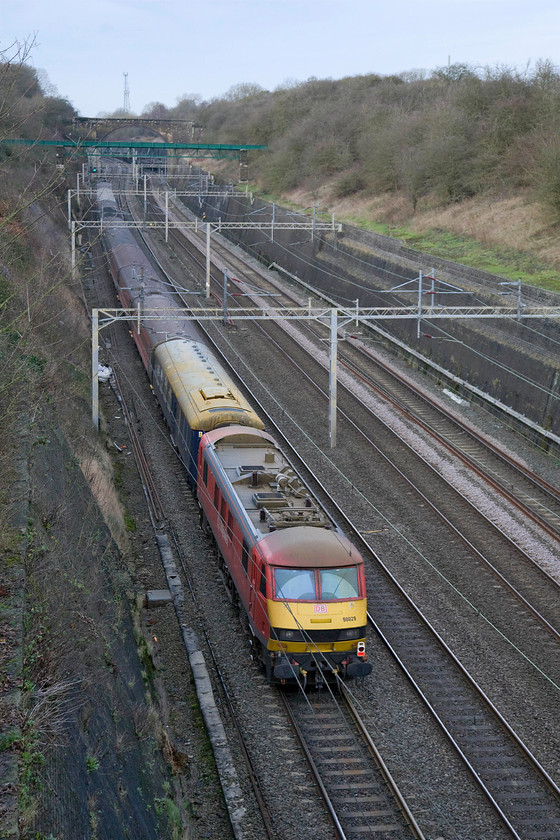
(348, 184)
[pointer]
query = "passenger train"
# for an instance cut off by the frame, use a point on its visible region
(298, 581)
(195, 392)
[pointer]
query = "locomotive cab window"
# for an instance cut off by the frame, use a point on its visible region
(320, 585)
(295, 584)
(339, 583)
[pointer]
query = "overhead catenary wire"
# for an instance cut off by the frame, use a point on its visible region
(390, 524)
(362, 287)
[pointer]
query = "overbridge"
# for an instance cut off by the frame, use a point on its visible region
(174, 131)
(152, 153)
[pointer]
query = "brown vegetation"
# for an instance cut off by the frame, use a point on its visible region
(63, 604)
(473, 151)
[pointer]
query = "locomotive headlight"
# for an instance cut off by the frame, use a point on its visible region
(351, 633)
(289, 635)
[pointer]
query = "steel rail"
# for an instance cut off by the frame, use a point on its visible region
(539, 769)
(552, 492)
(371, 781)
(383, 769)
(524, 750)
(315, 771)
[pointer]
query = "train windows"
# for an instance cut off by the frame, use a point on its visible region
(263, 582)
(339, 583)
(300, 584)
(205, 472)
(216, 497)
(295, 584)
(245, 556)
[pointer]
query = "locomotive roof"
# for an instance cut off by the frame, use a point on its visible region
(308, 548)
(261, 484)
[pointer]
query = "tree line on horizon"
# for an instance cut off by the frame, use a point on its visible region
(455, 133)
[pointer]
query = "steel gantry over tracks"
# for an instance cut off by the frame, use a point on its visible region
(307, 224)
(130, 148)
(335, 318)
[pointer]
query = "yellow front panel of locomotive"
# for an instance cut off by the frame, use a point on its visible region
(317, 616)
(331, 615)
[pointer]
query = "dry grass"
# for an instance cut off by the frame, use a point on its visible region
(514, 223)
(98, 472)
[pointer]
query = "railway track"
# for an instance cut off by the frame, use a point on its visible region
(519, 788)
(359, 792)
(529, 492)
(523, 487)
(524, 796)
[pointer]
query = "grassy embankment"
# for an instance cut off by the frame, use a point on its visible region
(511, 237)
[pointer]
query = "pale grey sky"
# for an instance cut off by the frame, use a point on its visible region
(174, 47)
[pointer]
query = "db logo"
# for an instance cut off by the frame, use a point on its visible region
(319, 608)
